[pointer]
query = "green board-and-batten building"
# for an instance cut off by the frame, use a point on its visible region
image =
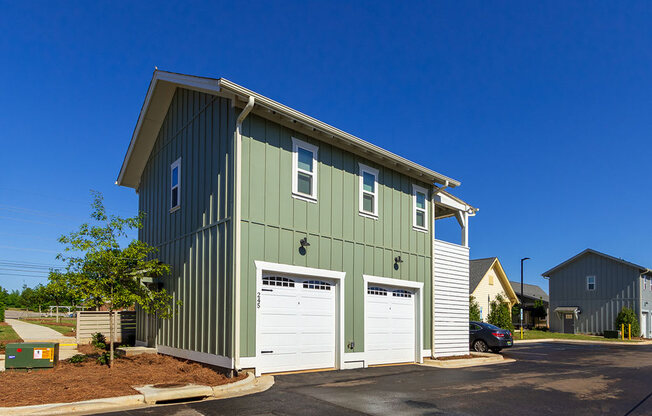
(294, 245)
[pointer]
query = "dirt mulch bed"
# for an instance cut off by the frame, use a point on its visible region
(75, 382)
(457, 357)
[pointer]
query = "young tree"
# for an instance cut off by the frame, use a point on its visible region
(499, 314)
(627, 316)
(102, 272)
(474, 309)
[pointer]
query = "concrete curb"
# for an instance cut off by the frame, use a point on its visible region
(95, 405)
(582, 341)
(485, 359)
(149, 395)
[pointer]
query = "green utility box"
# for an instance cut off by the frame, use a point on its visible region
(28, 355)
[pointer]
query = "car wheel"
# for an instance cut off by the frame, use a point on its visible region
(480, 346)
(495, 350)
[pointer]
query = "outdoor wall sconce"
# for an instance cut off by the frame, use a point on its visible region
(397, 260)
(304, 243)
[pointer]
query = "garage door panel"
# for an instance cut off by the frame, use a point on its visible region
(296, 324)
(390, 325)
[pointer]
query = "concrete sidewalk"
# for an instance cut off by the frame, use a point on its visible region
(37, 333)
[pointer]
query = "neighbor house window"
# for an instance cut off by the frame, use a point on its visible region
(304, 170)
(420, 215)
(644, 283)
(368, 199)
(590, 282)
(175, 185)
(491, 279)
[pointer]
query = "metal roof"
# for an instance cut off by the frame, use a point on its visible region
(642, 269)
(160, 94)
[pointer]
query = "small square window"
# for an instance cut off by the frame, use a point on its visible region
(590, 282)
(175, 185)
(304, 170)
(368, 195)
(420, 208)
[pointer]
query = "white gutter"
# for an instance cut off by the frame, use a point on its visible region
(237, 215)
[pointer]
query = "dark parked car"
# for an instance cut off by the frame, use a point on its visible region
(484, 337)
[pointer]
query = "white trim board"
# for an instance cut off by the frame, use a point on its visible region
(287, 269)
(399, 283)
(202, 357)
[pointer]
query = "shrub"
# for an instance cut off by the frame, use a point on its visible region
(474, 309)
(77, 358)
(2, 311)
(499, 314)
(105, 358)
(99, 340)
(628, 316)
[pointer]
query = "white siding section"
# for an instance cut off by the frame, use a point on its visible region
(451, 299)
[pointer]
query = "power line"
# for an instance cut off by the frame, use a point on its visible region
(23, 275)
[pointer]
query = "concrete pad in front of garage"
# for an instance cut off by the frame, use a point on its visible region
(478, 360)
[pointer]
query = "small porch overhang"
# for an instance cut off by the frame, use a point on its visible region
(562, 310)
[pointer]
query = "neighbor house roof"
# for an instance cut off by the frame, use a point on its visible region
(477, 269)
(530, 291)
(642, 269)
(161, 91)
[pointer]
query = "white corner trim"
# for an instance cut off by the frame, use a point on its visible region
(202, 357)
(288, 269)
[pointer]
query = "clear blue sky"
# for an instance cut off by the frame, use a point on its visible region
(543, 110)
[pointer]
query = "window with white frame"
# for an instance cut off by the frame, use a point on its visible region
(644, 283)
(420, 208)
(175, 185)
(368, 198)
(590, 282)
(304, 170)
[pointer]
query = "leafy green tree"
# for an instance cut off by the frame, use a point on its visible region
(2, 310)
(474, 309)
(627, 316)
(499, 313)
(103, 273)
(539, 310)
(59, 290)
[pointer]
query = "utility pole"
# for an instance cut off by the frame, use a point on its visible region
(521, 299)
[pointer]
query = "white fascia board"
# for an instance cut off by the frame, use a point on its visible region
(445, 200)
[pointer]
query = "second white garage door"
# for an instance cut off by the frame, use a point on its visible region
(390, 325)
(296, 324)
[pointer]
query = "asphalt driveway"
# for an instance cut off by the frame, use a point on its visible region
(547, 378)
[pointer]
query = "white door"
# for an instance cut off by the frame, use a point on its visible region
(296, 324)
(644, 328)
(390, 325)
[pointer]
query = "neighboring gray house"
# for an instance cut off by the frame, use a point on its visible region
(531, 294)
(588, 290)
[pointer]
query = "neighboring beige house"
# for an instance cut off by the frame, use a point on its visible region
(486, 280)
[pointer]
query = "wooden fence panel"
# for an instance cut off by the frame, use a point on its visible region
(92, 322)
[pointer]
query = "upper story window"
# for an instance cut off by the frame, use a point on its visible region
(491, 279)
(304, 170)
(420, 208)
(590, 282)
(368, 198)
(644, 283)
(175, 185)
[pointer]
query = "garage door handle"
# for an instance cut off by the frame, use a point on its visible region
(266, 352)
(268, 290)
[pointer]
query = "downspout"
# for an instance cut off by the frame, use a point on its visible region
(237, 217)
(432, 255)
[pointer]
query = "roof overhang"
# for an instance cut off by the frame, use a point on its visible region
(641, 269)
(161, 91)
(575, 310)
(448, 205)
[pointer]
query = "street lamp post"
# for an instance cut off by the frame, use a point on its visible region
(521, 299)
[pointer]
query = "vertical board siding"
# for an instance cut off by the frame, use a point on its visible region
(340, 239)
(451, 303)
(196, 240)
(617, 286)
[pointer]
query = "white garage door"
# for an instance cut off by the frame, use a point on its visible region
(390, 325)
(296, 324)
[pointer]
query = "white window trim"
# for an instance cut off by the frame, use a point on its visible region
(368, 169)
(296, 144)
(420, 189)
(595, 283)
(175, 164)
(301, 271)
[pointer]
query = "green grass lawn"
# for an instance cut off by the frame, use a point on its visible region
(7, 336)
(535, 334)
(65, 325)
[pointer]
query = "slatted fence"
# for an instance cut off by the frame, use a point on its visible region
(92, 322)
